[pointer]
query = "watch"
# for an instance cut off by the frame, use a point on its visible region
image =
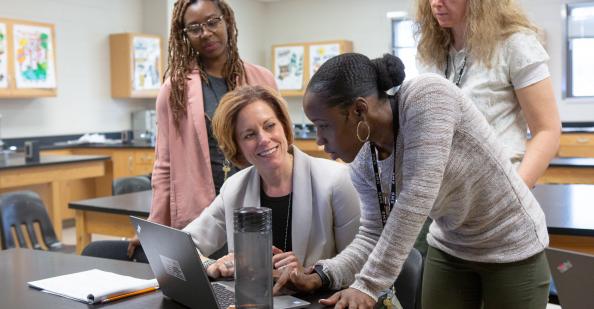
(326, 282)
(208, 262)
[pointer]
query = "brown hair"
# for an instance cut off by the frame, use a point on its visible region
(225, 118)
(488, 22)
(182, 57)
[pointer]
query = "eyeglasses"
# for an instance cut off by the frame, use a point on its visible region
(198, 29)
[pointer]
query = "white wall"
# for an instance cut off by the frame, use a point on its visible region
(365, 23)
(83, 103)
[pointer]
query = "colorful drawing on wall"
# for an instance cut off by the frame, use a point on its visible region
(3, 58)
(288, 67)
(318, 54)
(147, 52)
(34, 57)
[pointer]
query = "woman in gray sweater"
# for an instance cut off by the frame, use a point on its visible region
(420, 149)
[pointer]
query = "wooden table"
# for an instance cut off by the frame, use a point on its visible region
(569, 211)
(50, 176)
(569, 171)
(18, 266)
(109, 215)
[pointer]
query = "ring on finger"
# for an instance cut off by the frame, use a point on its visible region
(228, 264)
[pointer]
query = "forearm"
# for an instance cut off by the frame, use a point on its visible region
(343, 267)
(539, 151)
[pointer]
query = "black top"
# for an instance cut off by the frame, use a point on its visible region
(213, 91)
(17, 160)
(567, 208)
(281, 219)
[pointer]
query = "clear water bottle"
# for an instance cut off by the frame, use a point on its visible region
(253, 257)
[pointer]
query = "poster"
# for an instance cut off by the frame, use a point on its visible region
(146, 54)
(288, 67)
(3, 52)
(34, 57)
(318, 54)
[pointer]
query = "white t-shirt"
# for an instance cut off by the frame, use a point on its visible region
(518, 62)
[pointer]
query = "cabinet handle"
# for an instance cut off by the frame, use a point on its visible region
(582, 140)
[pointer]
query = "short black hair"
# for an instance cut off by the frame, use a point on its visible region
(343, 78)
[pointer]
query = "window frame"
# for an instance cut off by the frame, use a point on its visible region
(568, 85)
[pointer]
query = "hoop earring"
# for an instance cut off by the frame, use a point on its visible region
(363, 140)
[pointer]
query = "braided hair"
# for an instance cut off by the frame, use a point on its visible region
(342, 79)
(182, 57)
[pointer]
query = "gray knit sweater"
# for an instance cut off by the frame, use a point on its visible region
(450, 167)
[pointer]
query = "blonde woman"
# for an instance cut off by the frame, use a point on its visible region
(491, 51)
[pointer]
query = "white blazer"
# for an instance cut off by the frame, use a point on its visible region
(325, 212)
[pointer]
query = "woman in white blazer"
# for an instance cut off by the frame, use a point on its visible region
(314, 204)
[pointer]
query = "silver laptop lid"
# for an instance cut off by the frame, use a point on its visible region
(176, 264)
(573, 274)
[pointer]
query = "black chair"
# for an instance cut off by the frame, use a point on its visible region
(409, 282)
(117, 249)
(25, 208)
(130, 184)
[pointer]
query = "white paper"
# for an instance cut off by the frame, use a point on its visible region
(34, 57)
(147, 52)
(3, 57)
(92, 286)
(288, 67)
(318, 54)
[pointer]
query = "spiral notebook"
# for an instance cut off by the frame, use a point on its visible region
(94, 286)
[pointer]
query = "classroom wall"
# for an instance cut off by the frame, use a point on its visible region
(365, 23)
(83, 103)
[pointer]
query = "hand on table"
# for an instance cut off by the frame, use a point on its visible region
(222, 268)
(298, 279)
(349, 298)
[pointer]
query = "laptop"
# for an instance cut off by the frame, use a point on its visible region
(176, 264)
(573, 274)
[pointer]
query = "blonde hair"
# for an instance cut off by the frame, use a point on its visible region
(224, 120)
(488, 22)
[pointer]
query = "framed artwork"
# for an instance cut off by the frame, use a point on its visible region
(34, 64)
(320, 53)
(289, 67)
(146, 61)
(3, 56)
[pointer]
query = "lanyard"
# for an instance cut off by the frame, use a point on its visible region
(460, 73)
(386, 206)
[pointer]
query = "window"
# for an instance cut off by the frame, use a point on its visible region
(580, 48)
(404, 45)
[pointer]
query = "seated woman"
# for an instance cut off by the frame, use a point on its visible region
(315, 208)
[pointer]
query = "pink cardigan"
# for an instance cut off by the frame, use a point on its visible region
(182, 180)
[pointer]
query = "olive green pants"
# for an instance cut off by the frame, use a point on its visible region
(450, 282)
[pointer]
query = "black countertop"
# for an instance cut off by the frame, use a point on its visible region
(572, 162)
(577, 127)
(134, 204)
(569, 209)
(17, 160)
(99, 145)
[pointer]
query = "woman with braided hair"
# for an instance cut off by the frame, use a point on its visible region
(421, 149)
(204, 64)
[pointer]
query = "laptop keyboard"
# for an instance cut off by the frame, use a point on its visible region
(224, 297)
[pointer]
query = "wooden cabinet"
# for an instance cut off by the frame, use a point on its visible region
(136, 70)
(310, 147)
(126, 161)
(577, 145)
(294, 64)
(27, 59)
